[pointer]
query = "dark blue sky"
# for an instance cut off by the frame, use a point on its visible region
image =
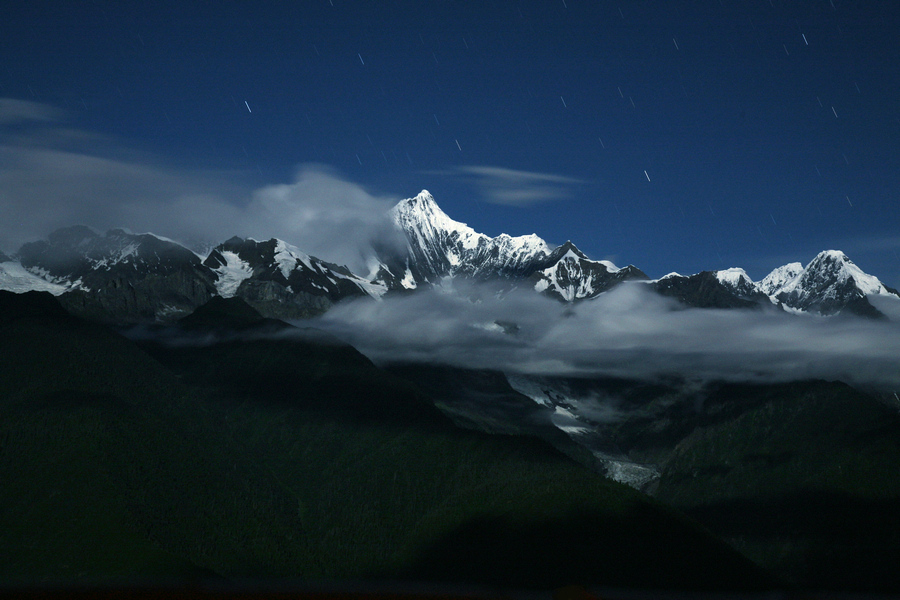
(671, 135)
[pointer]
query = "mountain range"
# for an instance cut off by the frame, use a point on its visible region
(216, 441)
(126, 277)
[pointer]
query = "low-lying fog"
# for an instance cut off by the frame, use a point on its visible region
(628, 332)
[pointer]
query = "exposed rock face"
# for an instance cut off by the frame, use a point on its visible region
(703, 290)
(120, 277)
(275, 300)
(281, 281)
(828, 284)
(569, 275)
(147, 298)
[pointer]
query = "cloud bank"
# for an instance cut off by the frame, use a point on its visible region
(52, 176)
(628, 332)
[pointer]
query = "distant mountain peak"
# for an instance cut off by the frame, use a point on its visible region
(828, 284)
(423, 212)
(72, 236)
(425, 197)
(832, 268)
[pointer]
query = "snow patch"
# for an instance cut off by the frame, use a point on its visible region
(231, 274)
(287, 257)
(565, 420)
(733, 276)
(375, 290)
(609, 266)
(667, 276)
(16, 278)
(408, 281)
(630, 473)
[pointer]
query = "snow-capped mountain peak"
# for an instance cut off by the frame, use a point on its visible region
(422, 216)
(826, 285)
(288, 257)
(672, 275)
(438, 247)
(835, 264)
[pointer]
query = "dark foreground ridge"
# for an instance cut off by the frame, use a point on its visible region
(285, 460)
(389, 592)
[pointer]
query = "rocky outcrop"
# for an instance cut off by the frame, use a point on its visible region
(274, 300)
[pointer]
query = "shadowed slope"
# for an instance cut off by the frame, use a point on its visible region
(292, 459)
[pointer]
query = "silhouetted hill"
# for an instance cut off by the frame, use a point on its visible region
(293, 459)
(230, 315)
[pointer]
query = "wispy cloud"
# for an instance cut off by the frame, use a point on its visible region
(510, 187)
(53, 176)
(23, 111)
(324, 215)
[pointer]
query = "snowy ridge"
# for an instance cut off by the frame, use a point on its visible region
(738, 282)
(569, 279)
(239, 263)
(273, 274)
(78, 258)
(825, 286)
(668, 276)
(439, 247)
(372, 288)
(609, 266)
(422, 215)
(832, 268)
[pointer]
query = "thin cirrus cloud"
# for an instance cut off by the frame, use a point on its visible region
(13, 110)
(53, 176)
(511, 187)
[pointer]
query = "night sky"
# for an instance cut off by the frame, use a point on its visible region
(675, 136)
